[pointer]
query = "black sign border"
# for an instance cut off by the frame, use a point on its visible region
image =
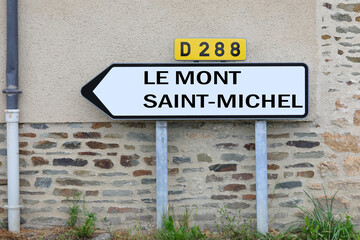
(87, 92)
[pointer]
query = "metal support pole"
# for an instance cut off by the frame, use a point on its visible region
(261, 177)
(161, 172)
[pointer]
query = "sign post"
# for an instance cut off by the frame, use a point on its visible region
(261, 177)
(161, 172)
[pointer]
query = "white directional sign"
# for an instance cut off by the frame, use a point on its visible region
(201, 91)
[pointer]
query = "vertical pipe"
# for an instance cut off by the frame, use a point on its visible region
(12, 116)
(261, 177)
(12, 55)
(161, 172)
(12, 119)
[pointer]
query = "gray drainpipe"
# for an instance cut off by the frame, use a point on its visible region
(12, 117)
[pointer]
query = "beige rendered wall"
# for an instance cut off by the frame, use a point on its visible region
(64, 44)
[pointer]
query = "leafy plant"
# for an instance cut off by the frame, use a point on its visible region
(74, 210)
(83, 225)
(321, 222)
(183, 232)
(233, 227)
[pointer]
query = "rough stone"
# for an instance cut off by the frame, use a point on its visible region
(39, 126)
(213, 178)
(281, 135)
(150, 161)
(340, 204)
(29, 201)
(72, 145)
(250, 146)
(117, 193)
(66, 192)
(56, 135)
(349, 7)
(289, 185)
(122, 210)
(44, 145)
(303, 144)
(234, 187)
(352, 165)
(226, 146)
(112, 174)
(291, 203)
(307, 134)
(277, 155)
(39, 161)
(93, 193)
(325, 37)
(353, 59)
(54, 172)
(29, 172)
(173, 171)
(100, 145)
(143, 191)
(100, 125)
(193, 170)
(76, 182)
(248, 197)
(27, 135)
(273, 167)
(272, 176)
(141, 137)
(300, 165)
(147, 148)
(328, 168)
(21, 145)
(113, 135)
(129, 147)
(223, 197)
(179, 160)
(242, 176)
(327, 5)
(112, 154)
(350, 29)
(138, 173)
(148, 181)
(342, 143)
(223, 167)
(25, 152)
(104, 163)
(129, 160)
(233, 157)
(87, 135)
(35, 210)
(237, 205)
(341, 17)
(305, 174)
(312, 154)
(88, 153)
(203, 157)
(83, 173)
(42, 182)
(69, 162)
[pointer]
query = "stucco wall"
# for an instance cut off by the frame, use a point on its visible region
(64, 44)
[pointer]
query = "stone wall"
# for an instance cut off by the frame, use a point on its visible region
(211, 164)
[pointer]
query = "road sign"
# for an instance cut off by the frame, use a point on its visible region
(206, 49)
(201, 91)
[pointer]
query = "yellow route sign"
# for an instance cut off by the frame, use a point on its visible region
(216, 49)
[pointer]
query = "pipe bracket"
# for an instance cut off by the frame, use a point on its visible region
(12, 115)
(13, 206)
(11, 91)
